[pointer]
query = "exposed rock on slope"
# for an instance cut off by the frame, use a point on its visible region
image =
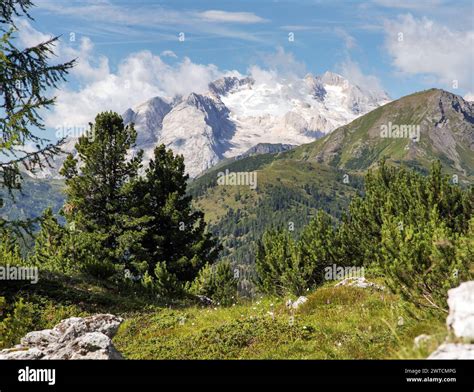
(460, 322)
(461, 310)
(72, 338)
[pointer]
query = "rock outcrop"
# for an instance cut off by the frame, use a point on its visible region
(73, 338)
(461, 310)
(453, 351)
(460, 323)
(359, 282)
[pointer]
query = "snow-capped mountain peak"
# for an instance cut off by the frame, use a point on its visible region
(223, 86)
(239, 113)
(148, 119)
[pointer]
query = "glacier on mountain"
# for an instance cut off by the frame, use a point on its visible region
(236, 114)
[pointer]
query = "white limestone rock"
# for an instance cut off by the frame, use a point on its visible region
(73, 338)
(453, 351)
(461, 310)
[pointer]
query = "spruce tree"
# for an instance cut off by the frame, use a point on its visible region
(51, 245)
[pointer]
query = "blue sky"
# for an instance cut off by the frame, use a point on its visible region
(400, 46)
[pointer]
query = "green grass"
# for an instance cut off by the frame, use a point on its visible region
(336, 323)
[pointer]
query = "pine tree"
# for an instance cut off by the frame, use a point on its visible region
(413, 229)
(174, 232)
(318, 248)
(51, 245)
(96, 189)
(276, 264)
(420, 261)
(216, 282)
(9, 249)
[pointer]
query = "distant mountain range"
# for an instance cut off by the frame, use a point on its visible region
(236, 114)
(327, 173)
(295, 181)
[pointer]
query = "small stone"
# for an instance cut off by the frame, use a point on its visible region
(295, 305)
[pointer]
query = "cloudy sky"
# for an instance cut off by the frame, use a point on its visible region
(130, 51)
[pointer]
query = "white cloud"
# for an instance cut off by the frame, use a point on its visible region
(352, 72)
(169, 53)
(284, 64)
(29, 36)
(349, 40)
(429, 48)
(89, 67)
(230, 17)
(139, 77)
(122, 19)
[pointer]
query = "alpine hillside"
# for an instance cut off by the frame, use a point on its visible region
(327, 173)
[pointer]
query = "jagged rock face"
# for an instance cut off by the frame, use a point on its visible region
(148, 119)
(223, 86)
(239, 113)
(451, 126)
(72, 338)
(199, 129)
(353, 97)
(316, 87)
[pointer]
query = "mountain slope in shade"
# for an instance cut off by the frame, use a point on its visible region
(236, 114)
